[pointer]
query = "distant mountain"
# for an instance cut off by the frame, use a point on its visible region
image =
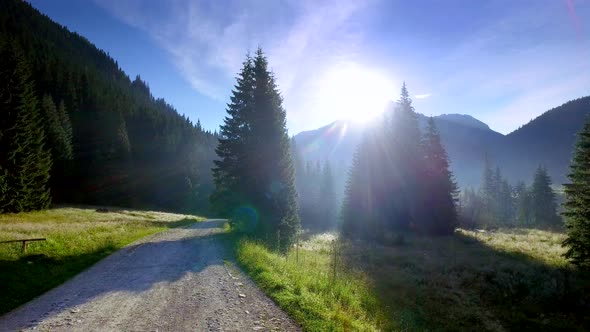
(467, 140)
(335, 142)
(464, 119)
(547, 140)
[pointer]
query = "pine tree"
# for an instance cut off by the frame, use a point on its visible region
(24, 159)
(327, 201)
(270, 161)
(438, 189)
(231, 196)
(577, 205)
(401, 164)
(523, 205)
(56, 127)
(357, 206)
(543, 205)
(255, 172)
(488, 192)
(471, 209)
(66, 125)
(505, 203)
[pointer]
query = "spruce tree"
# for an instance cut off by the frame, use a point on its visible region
(66, 125)
(356, 213)
(57, 127)
(577, 205)
(543, 205)
(438, 189)
(298, 164)
(231, 195)
(523, 205)
(270, 163)
(327, 201)
(489, 193)
(24, 158)
(401, 164)
(254, 173)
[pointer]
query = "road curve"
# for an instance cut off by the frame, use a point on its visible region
(173, 281)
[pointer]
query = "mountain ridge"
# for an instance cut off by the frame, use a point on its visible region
(546, 140)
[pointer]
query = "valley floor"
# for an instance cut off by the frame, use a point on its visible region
(506, 280)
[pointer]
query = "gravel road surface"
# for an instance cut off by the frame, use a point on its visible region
(173, 281)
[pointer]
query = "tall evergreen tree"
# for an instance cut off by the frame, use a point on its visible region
(327, 201)
(357, 211)
(471, 209)
(402, 163)
(231, 196)
(505, 204)
(298, 164)
(577, 205)
(544, 207)
(56, 128)
(437, 186)
(269, 154)
(23, 156)
(523, 205)
(255, 167)
(488, 192)
(66, 125)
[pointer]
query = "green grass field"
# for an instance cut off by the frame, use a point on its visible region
(76, 239)
(493, 281)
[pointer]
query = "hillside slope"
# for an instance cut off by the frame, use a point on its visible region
(548, 139)
(130, 149)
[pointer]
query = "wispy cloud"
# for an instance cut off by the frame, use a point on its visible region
(208, 40)
(422, 96)
(517, 61)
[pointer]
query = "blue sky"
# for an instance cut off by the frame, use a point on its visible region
(502, 61)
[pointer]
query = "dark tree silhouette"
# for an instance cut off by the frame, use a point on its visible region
(255, 166)
(577, 205)
(24, 158)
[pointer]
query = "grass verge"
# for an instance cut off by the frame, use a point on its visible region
(304, 285)
(495, 281)
(76, 239)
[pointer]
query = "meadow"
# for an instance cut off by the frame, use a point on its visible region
(508, 279)
(76, 239)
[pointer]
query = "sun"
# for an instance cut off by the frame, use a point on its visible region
(351, 92)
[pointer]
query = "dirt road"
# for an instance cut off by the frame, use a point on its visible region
(173, 281)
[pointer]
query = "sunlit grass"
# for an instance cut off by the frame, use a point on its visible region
(541, 245)
(76, 239)
(305, 286)
(493, 281)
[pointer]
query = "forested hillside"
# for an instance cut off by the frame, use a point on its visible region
(548, 139)
(111, 142)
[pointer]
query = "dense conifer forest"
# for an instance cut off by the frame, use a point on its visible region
(84, 131)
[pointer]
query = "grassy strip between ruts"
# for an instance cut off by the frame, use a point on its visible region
(513, 279)
(76, 239)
